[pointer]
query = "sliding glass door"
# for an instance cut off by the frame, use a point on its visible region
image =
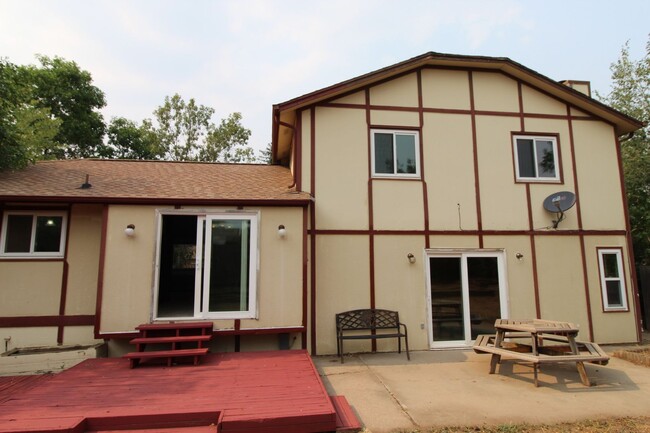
(207, 266)
(466, 294)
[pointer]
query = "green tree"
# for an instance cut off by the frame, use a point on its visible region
(67, 92)
(128, 140)
(630, 94)
(228, 142)
(27, 131)
(266, 155)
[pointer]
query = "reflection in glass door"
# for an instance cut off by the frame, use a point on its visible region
(466, 295)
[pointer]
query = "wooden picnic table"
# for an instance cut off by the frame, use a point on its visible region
(564, 347)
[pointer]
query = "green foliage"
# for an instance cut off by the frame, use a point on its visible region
(128, 140)
(227, 142)
(630, 94)
(67, 91)
(27, 132)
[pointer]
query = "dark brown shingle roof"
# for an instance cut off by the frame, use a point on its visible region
(151, 181)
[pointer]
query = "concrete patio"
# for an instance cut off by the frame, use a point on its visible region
(451, 388)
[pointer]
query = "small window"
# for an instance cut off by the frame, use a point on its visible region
(395, 154)
(536, 158)
(612, 279)
(33, 234)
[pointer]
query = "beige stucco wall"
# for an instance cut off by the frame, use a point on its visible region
(129, 269)
(400, 92)
(599, 179)
(448, 151)
(445, 89)
(536, 102)
(343, 281)
(495, 92)
(83, 258)
(398, 205)
(30, 288)
(341, 169)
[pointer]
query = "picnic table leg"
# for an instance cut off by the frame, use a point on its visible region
(496, 359)
(583, 373)
(535, 371)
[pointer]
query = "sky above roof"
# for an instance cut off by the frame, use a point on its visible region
(245, 55)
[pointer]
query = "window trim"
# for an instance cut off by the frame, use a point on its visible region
(618, 251)
(34, 254)
(555, 139)
(395, 131)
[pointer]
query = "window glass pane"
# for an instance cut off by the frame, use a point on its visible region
(614, 295)
(526, 158)
(48, 233)
(19, 234)
(405, 146)
(229, 265)
(384, 153)
(610, 263)
(545, 158)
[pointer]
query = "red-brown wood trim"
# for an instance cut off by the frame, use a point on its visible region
(297, 202)
(471, 232)
(312, 223)
(583, 252)
(297, 165)
(477, 182)
(630, 248)
(398, 127)
(305, 281)
(64, 276)
(100, 272)
(259, 331)
(600, 282)
(35, 321)
(425, 193)
(533, 250)
(371, 238)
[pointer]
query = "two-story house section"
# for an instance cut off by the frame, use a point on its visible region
(428, 181)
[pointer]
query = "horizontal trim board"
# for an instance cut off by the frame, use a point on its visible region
(472, 232)
(35, 321)
(155, 201)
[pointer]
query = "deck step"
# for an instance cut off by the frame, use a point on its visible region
(169, 355)
(171, 339)
(346, 420)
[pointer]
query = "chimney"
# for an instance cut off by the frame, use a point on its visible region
(581, 86)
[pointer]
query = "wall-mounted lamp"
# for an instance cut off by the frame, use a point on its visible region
(411, 257)
(519, 256)
(130, 230)
(282, 232)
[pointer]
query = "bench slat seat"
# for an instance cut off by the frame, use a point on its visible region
(351, 324)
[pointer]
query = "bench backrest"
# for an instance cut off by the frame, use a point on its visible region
(367, 319)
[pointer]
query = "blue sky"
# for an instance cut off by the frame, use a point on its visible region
(246, 55)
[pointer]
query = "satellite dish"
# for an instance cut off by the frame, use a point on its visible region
(558, 203)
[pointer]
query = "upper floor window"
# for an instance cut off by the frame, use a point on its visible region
(536, 158)
(395, 153)
(612, 279)
(33, 234)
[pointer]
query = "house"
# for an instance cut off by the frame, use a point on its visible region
(419, 188)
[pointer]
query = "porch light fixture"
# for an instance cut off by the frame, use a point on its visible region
(411, 257)
(519, 256)
(130, 230)
(282, 232)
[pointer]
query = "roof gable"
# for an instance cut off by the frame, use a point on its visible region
(284, 113)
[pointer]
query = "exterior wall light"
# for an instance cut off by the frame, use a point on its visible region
(411, 257)
(519, 256)
(282, 231)
(130, 230)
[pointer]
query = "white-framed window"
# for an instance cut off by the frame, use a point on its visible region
(536, 158)
(612, 279)
(33, 234)
(395, 153)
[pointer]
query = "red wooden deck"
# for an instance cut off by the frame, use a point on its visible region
(228, 392)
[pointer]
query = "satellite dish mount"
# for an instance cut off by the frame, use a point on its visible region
(558, 203)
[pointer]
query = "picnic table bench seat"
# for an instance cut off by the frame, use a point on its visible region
(364, 324)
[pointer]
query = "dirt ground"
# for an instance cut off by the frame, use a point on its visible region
(616, 425)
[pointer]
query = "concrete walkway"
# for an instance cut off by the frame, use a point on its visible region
(453, 388)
